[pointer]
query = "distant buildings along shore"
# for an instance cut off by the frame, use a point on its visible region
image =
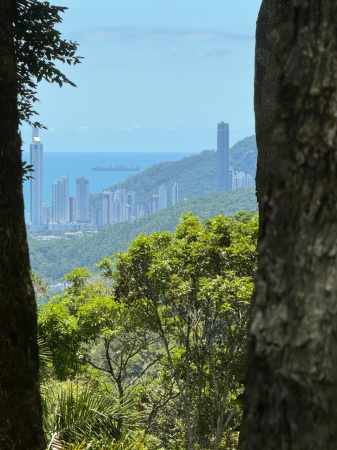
(114, 206)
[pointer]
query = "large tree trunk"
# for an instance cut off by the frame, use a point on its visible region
(291, 383)
(272, 43)
(20, 410)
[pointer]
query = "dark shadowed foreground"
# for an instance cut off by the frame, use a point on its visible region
(291, 393)
(20, 411)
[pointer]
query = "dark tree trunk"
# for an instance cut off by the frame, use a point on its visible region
(20, 410)
(291, 382)
(272, 42)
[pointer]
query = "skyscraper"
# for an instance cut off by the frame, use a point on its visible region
(82, 200)
(36, 183)
(162, 198)
(131, 199)
(72, 209)
(55, 202)
(174, 194)
(223, 157)
(108, 211)
(64, 199)
(60, 200)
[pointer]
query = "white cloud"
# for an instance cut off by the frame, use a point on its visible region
(124, 33)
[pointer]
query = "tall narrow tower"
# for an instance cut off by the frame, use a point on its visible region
(162, 198)
(174, 194)
(64, 199)
(36, 183)
(82, 200)
(223, 157)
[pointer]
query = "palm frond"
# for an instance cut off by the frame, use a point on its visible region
(75, 412)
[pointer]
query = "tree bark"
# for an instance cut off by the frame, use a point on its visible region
(291, 382)
(20, 409)
(272, 43)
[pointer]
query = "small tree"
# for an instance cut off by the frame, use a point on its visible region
(87, 327)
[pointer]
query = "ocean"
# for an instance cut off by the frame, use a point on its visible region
(77, 164)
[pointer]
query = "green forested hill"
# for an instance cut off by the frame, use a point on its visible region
(243, 156)
(196, 175)
(53, 259)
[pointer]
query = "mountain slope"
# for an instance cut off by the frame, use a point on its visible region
(243, 156)
(196, 175)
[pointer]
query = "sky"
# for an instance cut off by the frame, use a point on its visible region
(157, 76)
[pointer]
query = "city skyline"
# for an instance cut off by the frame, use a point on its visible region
(115, 205)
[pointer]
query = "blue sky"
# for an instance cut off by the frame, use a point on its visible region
(157, 76)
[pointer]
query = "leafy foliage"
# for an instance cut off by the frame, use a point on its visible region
(37, 46)
(40, 288)
(27, 170)
(192, 289)
(167, 329)
(79, 415)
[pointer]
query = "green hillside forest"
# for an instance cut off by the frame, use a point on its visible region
(51, 260)
(196, 175)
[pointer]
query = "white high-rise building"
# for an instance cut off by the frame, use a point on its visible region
(72, 209)
(82, 200)
(64, 199)
(36, 183)
(55, 202)
(108, 211)
(162, 198)
(249, 180)
(120, 200)
(118, 206)
(60, 200)
(46, 214)
(240, 180)
(154, 205)
(131, 201)
(174, 194)
(232, 178)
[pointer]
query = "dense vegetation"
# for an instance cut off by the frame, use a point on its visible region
(53, 259)
(151, 356)
(196, 175)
